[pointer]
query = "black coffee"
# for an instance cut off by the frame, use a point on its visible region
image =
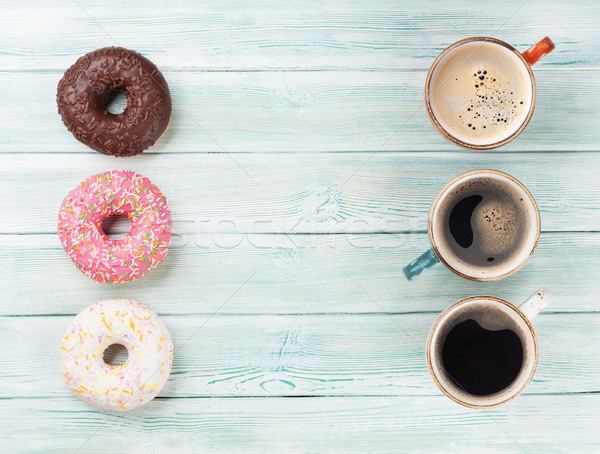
(480, 361)
(487, 225)
(460, 220)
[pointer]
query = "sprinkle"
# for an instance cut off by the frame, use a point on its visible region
(93, 252)
(87, 373)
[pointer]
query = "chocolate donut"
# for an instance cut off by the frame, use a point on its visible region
(82, 91)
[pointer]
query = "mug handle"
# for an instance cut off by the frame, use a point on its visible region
(536, 303)
(539, 50)
(417, 266)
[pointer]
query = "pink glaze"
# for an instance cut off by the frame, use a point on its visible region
(117, 192)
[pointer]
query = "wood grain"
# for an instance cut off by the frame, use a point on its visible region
(308, 194)
(303, 112)
(544, 423)
(299, 166)
(299, 355)
(337, 34)
(292, 274)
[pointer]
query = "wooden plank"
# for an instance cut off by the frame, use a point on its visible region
(548, 424)
(315, 193)
(271, 35)
(303, 112)
(292, 274)
(299, 355)
(315, 345)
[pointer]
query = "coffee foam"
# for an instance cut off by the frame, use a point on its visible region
(504, 224)
(480, 92)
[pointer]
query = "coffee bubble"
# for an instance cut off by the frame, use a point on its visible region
(480, 92)
(485, 225)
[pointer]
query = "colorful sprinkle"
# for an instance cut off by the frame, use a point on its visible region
(115, 193)
(116, 322)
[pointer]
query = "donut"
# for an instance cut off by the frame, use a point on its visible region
(115, 193)
(84, 87)
(121, 387)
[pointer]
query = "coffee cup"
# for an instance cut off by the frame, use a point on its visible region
(483, 225)
(482, 351)
(480, 92)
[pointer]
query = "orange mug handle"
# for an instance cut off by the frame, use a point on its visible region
(539, 50)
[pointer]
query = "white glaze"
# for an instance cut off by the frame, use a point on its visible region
(117, 321)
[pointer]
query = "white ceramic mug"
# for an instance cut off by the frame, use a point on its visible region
(491, 314)
(480, 92)
(441, 250)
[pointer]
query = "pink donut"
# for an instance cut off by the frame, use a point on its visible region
(115, 193)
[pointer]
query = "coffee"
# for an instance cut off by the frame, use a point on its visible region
(480, 361)
(482, 351)
(486, 225)
(481, 92)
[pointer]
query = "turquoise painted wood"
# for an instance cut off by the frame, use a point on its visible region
(299, 166)
(300, 355)
(295, 35)
(293, 274)
(302, 192)
(563, 423)
(304, 111)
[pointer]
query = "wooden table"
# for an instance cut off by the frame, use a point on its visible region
(299, 166)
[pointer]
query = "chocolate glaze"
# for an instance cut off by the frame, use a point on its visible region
(84, 85)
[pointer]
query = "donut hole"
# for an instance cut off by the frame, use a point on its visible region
(115, 355)
(114, 102)
(116, 226)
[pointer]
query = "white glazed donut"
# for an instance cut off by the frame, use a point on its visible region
(123, 387)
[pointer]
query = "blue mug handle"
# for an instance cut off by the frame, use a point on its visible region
(417, 266)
